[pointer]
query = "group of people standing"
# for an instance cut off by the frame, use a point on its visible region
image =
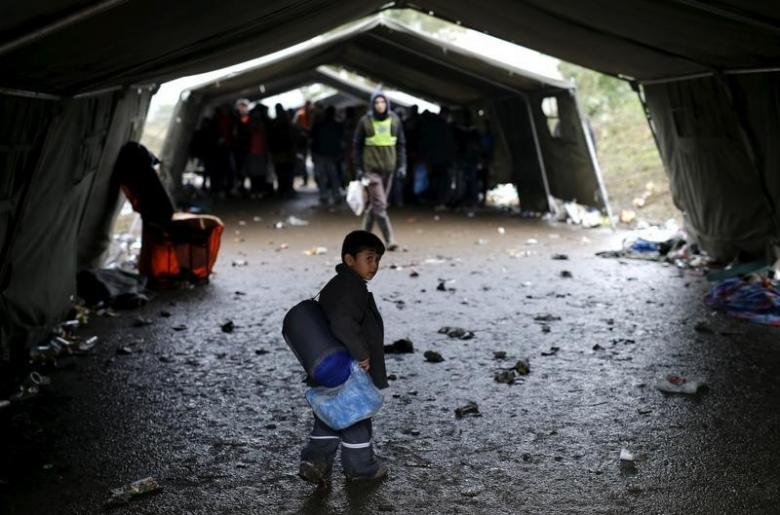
(245, 152)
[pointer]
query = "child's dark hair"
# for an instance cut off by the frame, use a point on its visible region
(357, 241)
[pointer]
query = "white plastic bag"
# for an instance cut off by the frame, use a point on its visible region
(356, 197)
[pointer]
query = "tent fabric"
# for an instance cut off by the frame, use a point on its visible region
(55, 153)
(137, 41)
(723, 170)
(415, 62)
(641, 39)
(79, 140)
(143, 41)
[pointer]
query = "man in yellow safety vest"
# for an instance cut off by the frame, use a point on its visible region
(380, 153)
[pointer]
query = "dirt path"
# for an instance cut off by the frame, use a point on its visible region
(219, 418)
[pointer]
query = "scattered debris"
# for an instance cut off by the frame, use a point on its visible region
(522, 367)
(457, 332)
(547, 318)
(141, 321)
(598, 347)
(506, 376)
(316, 251)
(402, 346)
(127, 493)
(566, 274)
(471, 409)
(442, 286)
(546, 328)
(472, 491)
(432, 356)
(86, 345)
(165, 314)
(179, 327)
(627, 216)
(240, 262)
(124, 351)
(678, 384)
(755, 298)
(560, 257)
(499, 354)
(296, 222)
(552, 352)
(261, 352)
(228, 326)
(627, 463)
(414, 273)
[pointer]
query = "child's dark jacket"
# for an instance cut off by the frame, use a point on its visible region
(355, 320)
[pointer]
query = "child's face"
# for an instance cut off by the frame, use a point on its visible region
(365, 263)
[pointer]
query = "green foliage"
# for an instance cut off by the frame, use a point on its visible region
(599, 93)
(424, 23)
(626, 149)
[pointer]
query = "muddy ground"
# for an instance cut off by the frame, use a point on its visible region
(219, 418)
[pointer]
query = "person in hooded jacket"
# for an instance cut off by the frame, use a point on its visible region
(379, 154)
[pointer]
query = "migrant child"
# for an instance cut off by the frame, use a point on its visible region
(356, 322)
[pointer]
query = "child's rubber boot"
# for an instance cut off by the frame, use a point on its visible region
(381, 473)
(313, 473)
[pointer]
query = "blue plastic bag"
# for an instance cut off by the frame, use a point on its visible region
(421, 182)
(347, 404)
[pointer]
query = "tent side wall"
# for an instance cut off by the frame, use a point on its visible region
(67, 202)
(568, 168)
(105, 199)
(513, 128)
(571, 171)
(176, 147)
(717, 138)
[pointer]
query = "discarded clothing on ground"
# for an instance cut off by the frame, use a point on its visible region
(113, 287)
(755, 298)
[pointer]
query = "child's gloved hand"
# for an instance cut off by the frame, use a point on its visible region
(365, 365)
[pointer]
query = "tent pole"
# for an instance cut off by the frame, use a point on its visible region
(593, 159)
(58, 25)
(640, 93)
(538, 146)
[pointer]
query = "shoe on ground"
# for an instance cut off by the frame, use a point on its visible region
(313, 473)
(381, 473)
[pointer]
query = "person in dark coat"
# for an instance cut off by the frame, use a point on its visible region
(356, 322)
(281, 144)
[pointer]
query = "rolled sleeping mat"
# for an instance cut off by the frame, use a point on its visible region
(307, 331)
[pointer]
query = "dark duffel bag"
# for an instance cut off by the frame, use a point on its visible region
(307, 331)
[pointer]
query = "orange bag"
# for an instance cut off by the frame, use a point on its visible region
(186, 248)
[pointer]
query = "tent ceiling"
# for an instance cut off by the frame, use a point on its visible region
(355, 90)
(396, 56)
(644, 39)
(136, 41)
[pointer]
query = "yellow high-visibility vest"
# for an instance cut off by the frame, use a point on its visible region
(383, 133)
